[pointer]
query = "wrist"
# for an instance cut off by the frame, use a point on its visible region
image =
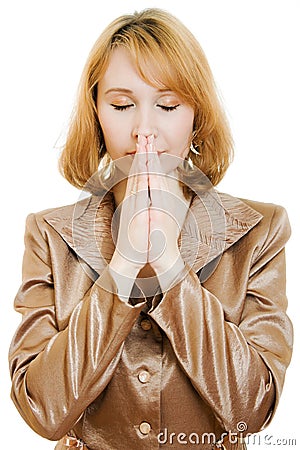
(124, 275)
(166, 262)
(123, 267)
(172, 275)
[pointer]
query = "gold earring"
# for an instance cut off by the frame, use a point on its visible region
(106, 167)
(193, 149)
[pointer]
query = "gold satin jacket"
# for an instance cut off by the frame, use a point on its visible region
(205, 358)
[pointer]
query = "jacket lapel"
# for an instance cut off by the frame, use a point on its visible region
(213, 224)
(86, 228)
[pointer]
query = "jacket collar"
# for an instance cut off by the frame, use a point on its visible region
(214, 223)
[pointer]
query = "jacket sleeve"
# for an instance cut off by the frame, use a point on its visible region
(238, 369)
(57, 374)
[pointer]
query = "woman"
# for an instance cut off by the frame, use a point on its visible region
(153, 310)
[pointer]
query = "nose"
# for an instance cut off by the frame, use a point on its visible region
(145, 124)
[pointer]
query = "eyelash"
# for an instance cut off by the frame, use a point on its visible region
(164, 108)
(121, 107)
(168, 108)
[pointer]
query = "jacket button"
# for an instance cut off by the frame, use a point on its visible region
(145, 428)
(144, 376)
(146, 324)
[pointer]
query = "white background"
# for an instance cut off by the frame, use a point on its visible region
(253, 49)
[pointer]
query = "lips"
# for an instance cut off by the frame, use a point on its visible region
(134, 152)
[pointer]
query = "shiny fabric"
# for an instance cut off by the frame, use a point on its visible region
(177, 369)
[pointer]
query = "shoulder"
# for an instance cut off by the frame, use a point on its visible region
(269, 211)
(274, 223)
(274, 217)
(61, 213)
(40, 223)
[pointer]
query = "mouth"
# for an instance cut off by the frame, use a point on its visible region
(159, 152)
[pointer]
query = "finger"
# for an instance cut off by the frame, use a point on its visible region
(157, 179)
(141, 177)
(136, 199)
(137, 178)
(135, 181)
(141, 163)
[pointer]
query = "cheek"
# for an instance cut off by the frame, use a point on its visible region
(182, 133)
(106, 122)
(112, 133)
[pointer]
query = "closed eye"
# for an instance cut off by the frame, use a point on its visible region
(168, 108)
(121, 107)
(125, 107)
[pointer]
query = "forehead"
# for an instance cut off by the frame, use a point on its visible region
(121, 67)
(127, 68)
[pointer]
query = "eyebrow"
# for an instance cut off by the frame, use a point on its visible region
(128, 91)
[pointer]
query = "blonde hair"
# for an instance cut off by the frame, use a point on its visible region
(166, 54)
